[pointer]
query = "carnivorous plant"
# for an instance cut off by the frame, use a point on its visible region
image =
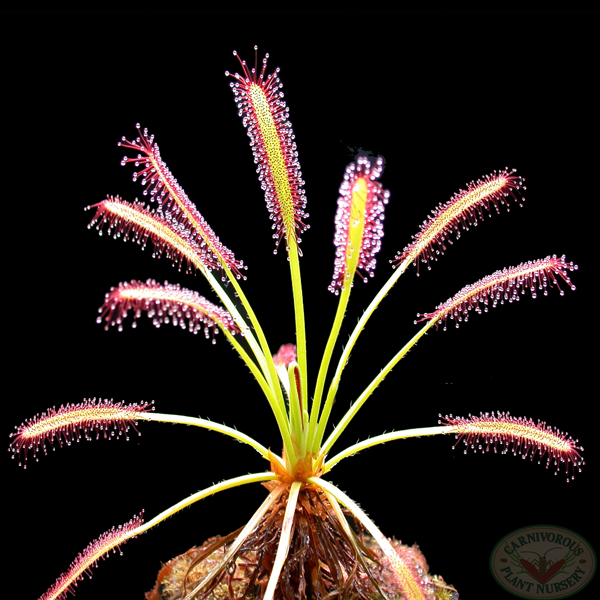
(308, 539)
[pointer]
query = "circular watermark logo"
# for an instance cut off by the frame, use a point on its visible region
(543, 561)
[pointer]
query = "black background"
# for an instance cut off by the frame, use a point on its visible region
(445, 99)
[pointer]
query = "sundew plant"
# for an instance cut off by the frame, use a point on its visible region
(308, 539)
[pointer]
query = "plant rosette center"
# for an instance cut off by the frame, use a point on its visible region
(306, 466)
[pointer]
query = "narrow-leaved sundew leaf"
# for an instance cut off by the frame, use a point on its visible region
(411, 572)
(358, 222)
(111, 540)
(163, 304)
(265, 116)
(464, 209)
(526, 437)
(72, 421)
(174, 202)
(136, 222)
(503, 286)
